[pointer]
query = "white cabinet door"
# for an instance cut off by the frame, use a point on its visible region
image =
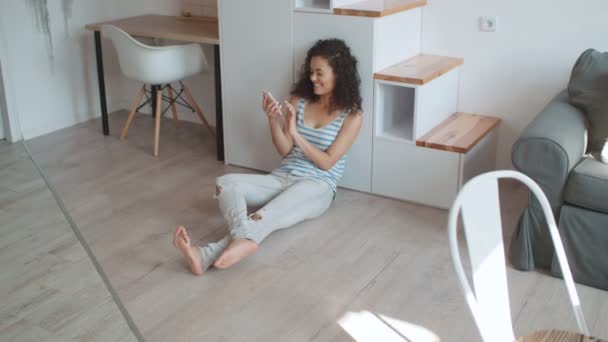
(256, 44)
(358, 33)
(417, 174)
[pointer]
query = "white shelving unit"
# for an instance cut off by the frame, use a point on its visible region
(403, 113)
(406, 95)
(433, 174)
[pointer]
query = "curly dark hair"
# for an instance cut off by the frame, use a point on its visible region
(346, 94)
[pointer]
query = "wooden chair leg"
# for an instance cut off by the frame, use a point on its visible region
(125, 128)
(159, 101)
(173, 109)
(197, 110)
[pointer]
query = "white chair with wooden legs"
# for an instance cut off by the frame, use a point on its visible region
(478, 204)
(158, 66)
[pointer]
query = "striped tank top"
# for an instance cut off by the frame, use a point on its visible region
(298, 164)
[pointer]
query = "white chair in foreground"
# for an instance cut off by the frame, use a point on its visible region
(478, 203)
(158, 66)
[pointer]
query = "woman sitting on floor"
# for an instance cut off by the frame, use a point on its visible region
(313, 133)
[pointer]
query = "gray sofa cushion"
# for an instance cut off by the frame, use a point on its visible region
(587, 185)
(588, 90)
(585, 237)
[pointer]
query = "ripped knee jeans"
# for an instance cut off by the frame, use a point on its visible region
(279, 201)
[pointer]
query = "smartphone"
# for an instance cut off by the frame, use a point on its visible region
(270, 96)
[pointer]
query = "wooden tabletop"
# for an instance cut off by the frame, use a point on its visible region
(458, 133)
(557, 336)
(167, 27)
(378, 8)
(419, 70)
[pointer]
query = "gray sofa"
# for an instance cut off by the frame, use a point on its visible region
(553, 151)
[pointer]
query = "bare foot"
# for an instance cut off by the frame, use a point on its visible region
(181, 241)
(237, 250)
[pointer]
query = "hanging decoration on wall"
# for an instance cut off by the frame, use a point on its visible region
(43, 21)
(66, 6)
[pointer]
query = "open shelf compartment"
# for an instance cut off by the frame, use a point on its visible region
(319, 6)
(395, 105)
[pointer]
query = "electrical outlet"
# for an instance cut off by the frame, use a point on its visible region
(487, 24)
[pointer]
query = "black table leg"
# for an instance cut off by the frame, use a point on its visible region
(102, 85)
(219, 123)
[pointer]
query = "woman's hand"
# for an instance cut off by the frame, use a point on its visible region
(271, 107)
(278, 124)
(291, 126)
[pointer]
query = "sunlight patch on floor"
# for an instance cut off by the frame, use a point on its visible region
(365, 326)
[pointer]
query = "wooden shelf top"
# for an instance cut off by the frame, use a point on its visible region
(419, 69)
(459, 133)
(378, 8)
(167, 27)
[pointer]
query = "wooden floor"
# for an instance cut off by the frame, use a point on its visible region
(386, 260)
(49, 289)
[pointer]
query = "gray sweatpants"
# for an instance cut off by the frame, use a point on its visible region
(281, 200)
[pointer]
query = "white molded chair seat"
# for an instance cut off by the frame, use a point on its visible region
(478, 204)
(158, 66)
(155, 64)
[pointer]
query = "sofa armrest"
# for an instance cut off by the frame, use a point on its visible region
(552, 144)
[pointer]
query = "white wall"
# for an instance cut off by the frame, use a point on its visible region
(50, 96)
(514, 72)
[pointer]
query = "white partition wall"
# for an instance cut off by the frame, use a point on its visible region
(256, 54)
(357, 32)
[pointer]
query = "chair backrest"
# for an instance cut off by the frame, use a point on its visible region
(478, 204)
(155, 64)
